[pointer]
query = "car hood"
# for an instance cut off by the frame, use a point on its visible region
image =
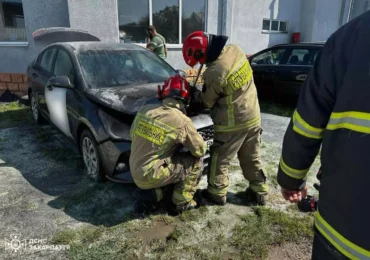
(128, 100)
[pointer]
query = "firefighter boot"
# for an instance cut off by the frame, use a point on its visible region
(151, 199)
(219, 200)
(254, 198)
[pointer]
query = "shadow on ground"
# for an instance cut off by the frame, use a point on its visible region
(53, 166)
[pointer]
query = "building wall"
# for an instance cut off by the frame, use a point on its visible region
(14, 59)
(321, 18)
(245, 22)
(307, 16)
(99, 17)
(326, 22)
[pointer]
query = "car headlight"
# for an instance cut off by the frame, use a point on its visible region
(115, 128)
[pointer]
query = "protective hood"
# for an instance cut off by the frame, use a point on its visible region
(215, 45)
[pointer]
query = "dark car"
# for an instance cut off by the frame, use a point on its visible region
(91, 91)
(280, 71)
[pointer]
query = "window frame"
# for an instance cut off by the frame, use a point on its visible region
(16, 43)
(39, 59)
(180, 3)
(316, 51)
(70, 58)
(286, 50)
(269, 31)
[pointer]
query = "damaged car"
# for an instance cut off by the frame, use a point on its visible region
(91, 91)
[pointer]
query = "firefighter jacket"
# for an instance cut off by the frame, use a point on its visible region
(230, 91)
(333, 113)
(157, 133)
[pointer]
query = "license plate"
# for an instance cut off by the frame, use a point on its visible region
(209, 144)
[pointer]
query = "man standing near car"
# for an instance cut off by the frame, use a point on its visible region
(156, 42)
(230, 93)
(333, 113)
(159, 133)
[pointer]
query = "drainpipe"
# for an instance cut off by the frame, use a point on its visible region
(350, 10)
(224, 17)
(342, 13)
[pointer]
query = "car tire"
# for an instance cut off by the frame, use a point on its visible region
(36, 114)
(91, 156)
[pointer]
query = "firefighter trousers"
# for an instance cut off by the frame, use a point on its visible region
(245, 145)
(186, 171)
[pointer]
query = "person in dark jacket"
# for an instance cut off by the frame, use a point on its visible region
(333, 113)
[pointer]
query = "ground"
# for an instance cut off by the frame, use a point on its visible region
(46, 199)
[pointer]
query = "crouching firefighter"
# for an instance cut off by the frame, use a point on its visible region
(159, 133)
(230, 93)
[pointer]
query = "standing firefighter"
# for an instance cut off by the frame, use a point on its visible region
(334, 111)
(157, 134)
(230, 92)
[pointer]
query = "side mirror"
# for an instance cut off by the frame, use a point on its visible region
(181, 73)
(60, 82)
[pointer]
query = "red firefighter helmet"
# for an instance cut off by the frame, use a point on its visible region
(194, 48)
(176, 87)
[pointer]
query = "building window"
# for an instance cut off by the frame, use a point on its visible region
(274, 26)
(12, 27)
(174, 19)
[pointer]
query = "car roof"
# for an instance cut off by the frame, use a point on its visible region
(300, 44)
(85, 46)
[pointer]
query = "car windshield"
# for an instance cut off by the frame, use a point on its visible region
(122, 68)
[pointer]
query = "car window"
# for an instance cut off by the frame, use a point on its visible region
(272, 57)
(120, 68)
(302, 57)
(47, 59)
(64, 66)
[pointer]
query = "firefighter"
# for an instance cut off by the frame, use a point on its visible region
(158, 134)
(333, 113)
(230, 93)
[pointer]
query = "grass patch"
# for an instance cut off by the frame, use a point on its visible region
(14, 114)
(266, 228)
(276, 109)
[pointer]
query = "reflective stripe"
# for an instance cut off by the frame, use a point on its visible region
(213, 169)
(230, 111)
(303, 128)
(217, 191)
(201, 151)
(259, 187)
(352, 120)
(238, 76)
(294, 173)
(245, 125)
(345, 246)
(180, 198)
(159, 194)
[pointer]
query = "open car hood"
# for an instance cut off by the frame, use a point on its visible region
(128, 100)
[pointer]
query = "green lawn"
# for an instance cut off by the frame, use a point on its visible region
(14, 114)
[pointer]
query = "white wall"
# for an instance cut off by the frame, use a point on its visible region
(326, 19)
(99, 17)
(245, 22)
(321, 18)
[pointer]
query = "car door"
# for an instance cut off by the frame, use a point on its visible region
(42, 71)
(264, 65)
(61, 101)
(292, 73)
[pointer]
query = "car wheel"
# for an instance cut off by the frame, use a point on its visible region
(36, 110)
(91, 156)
